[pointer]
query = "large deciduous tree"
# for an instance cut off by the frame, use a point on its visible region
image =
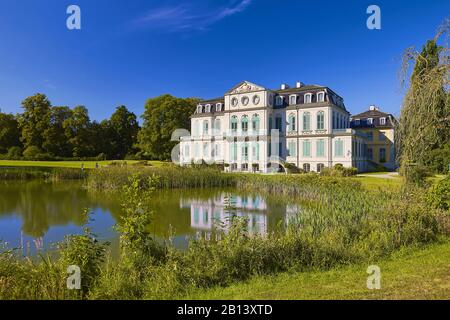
(77, 131)
(161, 117)
(34, 121)
(124, 130)
(9, 132)
(55, 141)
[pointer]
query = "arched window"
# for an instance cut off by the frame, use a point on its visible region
(279, 100)
(320, 120)
(233, 124)
(205, 127)
(321, 97)
(306, 167)
(292, 122)
(255, 123)
(308, 98)
(293, 99)
(218, 107)
(199, 108)
(244, 123)
(208, 108)
(306, 121)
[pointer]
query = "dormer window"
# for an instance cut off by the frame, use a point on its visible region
(218, 107)
(382, 121)
(321, 97)
(369, 120)
(293, 99)
(199, 108)
(308, 98)
(357, 122)
(279, 101)
(208, 108)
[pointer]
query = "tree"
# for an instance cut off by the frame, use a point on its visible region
(424, 121)
(77, 131)
(124, 128)
(9, 132)
(55, 141)
(34, 120)
(161, 117)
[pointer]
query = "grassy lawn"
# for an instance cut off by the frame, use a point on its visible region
(375, 183)
(411, 274)
(65, 164)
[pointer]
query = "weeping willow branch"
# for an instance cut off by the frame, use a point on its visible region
(425, 116)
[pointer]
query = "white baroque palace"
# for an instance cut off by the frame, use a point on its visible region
(255, 129)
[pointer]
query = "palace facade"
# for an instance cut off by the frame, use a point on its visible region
(256, 129)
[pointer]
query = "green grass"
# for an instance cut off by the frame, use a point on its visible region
(409, 274)
(375, 183)
(65, 164)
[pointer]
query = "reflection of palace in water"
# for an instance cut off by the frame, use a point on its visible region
(216, 213)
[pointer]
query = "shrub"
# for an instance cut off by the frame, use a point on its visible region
(439, 194)
(14, 153)
(31, 152)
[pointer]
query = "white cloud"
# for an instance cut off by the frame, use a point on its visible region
(184, 17)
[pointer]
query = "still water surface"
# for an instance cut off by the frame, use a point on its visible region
(34, 215)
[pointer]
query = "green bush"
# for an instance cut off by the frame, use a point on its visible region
(439, 194)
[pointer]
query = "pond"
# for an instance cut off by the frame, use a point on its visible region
(34, 215)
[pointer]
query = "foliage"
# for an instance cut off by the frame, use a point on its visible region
(9, 132)
(439, 194)
(424, 122)
(339, 171)
(162, 116)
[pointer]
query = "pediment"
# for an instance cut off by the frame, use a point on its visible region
(245, 86)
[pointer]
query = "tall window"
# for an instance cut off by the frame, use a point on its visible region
(218, 107)
(279, 101)
(217, 126)
(308, 98)
(270, 124)
(292, 122)
(186, 151)
(233, 124)
(382, 155)
(320, 167)
(293, 100)
(216, 150)
(306, 148)
(245, 152)
(382, 121)
(320, 148)
(205, 127)
(381, 136)
(255, 151)
(339, 148)
(292, 148)
(370, 153)
(306, 121)
(278, 123)
(244, 124)
(255, 123)
(320, 120)
(321, 97)
(208, 108)
(306, 167)
(199, 109)
(370, 136)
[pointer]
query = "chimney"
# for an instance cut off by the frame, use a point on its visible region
(373, 107)
(299, 84)
(284, 86)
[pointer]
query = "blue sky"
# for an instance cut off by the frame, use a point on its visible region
(129, 51)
